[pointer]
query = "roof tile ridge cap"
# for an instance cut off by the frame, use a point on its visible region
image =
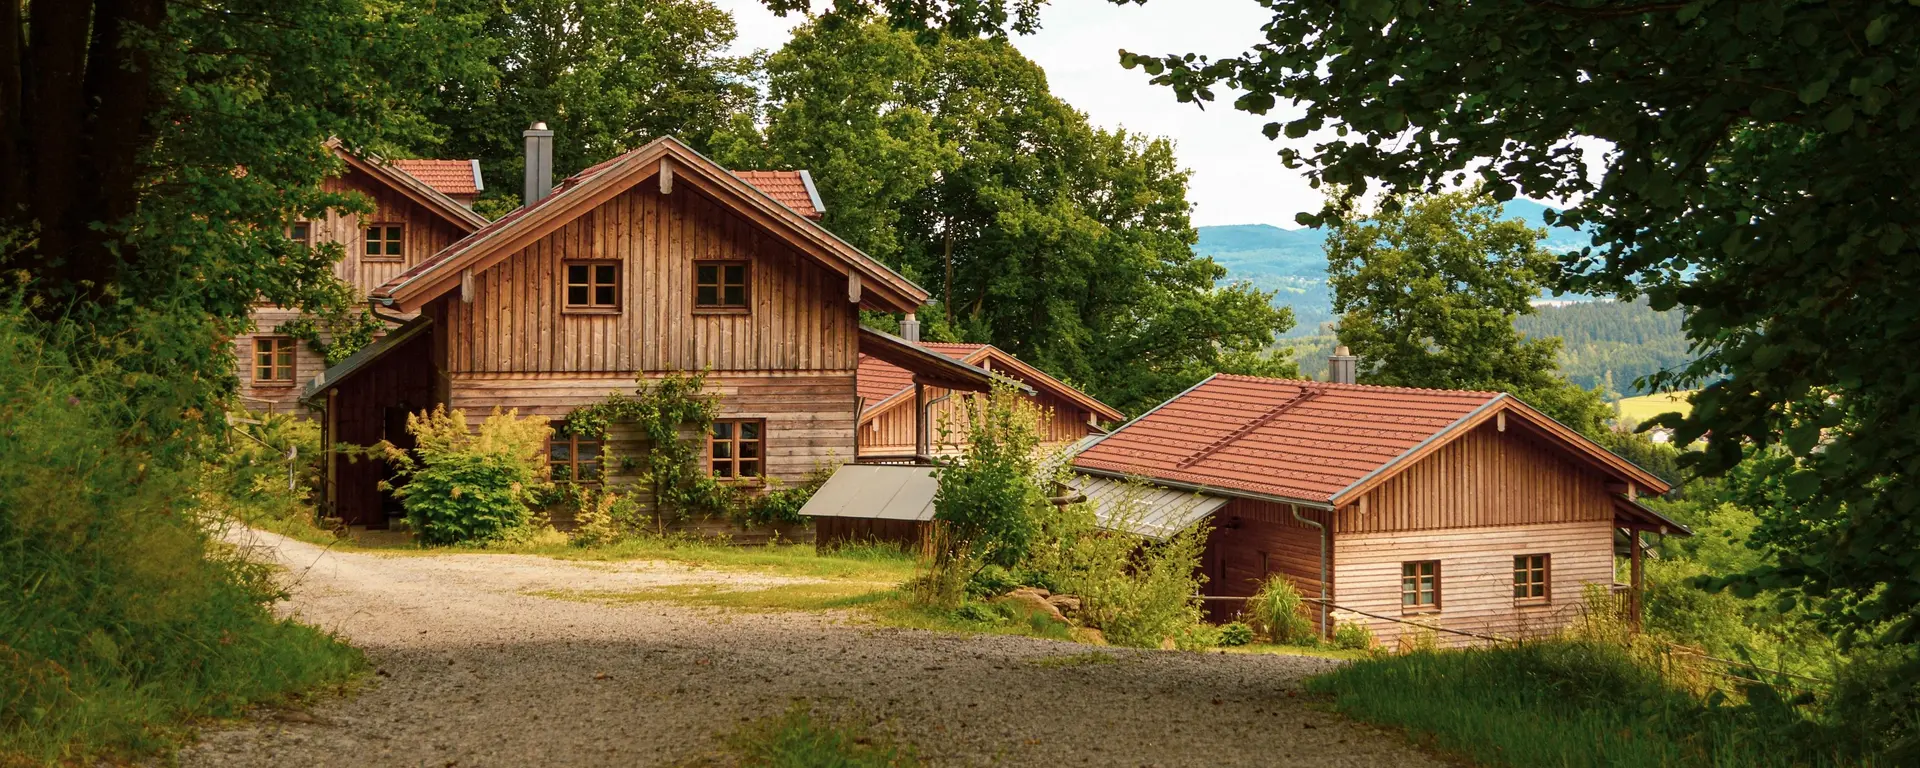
(1356, 386)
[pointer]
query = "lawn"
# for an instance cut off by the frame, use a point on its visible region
(1648, 406)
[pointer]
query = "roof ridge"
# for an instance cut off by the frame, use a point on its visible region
(1341, 385)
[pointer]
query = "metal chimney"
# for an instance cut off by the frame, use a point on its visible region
(539, 164)
(1340, 367)
(910, 328)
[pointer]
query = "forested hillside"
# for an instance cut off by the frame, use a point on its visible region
(1611, 343)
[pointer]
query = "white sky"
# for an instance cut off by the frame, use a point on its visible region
(1237, 175)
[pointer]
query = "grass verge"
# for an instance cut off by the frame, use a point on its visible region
(879, 603)
(1567, 703)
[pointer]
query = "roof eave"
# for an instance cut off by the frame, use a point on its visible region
(1203, 488)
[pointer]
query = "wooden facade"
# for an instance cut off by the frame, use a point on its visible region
(423, 230)
(889, 429)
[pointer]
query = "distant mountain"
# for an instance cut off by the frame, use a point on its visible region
(1293, 262)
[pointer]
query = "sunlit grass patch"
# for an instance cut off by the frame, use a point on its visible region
(1648, 406)
(799, 738)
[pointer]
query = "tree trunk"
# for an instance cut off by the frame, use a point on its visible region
(946, 298)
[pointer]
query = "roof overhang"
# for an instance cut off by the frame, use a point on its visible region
(879, 287)
(413, 188)
(366, 356)
(1210, 490)
(1150, 510)
(1629, 513)
(927, 366)
(1003, 358)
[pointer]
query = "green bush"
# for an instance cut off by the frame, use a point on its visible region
(470, 487)
(1236, 634)
(120, 618)
(991, 581)
(984, 613)
(1875, 705)
(989, 499)
(1352, 635)
(780, 505)
(1277, 611)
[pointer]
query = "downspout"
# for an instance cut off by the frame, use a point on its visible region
(1323, 566)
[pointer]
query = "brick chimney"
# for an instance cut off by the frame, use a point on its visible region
(1340, 367)
(539, 164)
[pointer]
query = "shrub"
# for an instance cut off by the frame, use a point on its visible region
(1352, 635)
(991, 581)
(1278, 612)
(119, 615)
(470, 487)
(1876, 705)
(781, 505)
(989, 500)
(1137, 591)
(983, 613)
(1236, 634)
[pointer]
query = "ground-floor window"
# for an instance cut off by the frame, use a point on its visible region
(1530, 578)
(273, 360)
(734, 449)
(1420, 585)
(572, 458)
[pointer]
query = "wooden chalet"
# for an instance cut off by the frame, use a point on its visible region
(656, 261)
(419, 207)
(891, 427)
(1468, 512)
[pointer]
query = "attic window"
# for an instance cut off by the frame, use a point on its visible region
(593, 286)
(386, 242)
(720, 285)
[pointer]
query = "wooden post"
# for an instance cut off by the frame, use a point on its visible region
(1633, 591)
(666, 176)
(921, 444)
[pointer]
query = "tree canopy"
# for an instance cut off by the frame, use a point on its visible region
(1070, 246)
(1428, 289)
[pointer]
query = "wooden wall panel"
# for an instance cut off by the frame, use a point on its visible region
(1483, 478)
(261, 397)
(890, 431)
(366, 408)
(810, 417)
(800, 319)
(1252, 540)
(1476, 576)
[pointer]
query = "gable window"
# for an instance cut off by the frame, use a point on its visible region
(300, 232)
(593, 286)
(734, 449)
(273, 360)
(720, 285)
(572, 458)
(386, 242)
(1420, 585)
(1530, 578)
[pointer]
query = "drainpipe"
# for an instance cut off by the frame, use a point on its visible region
(373, 306)
(1323, 565)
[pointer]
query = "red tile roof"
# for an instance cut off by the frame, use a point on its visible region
(793, 189)
(1300, 440)
(879, 379)
(451, 177)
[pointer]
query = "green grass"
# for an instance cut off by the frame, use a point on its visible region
(1570, 704)
(1645, 407)
(801, 739)
(1323, 652)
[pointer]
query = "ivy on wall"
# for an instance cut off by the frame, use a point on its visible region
(674, 414)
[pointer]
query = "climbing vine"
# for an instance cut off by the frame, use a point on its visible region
(674, 414)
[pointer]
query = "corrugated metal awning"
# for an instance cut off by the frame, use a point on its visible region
(1148, 510)
(879, 492)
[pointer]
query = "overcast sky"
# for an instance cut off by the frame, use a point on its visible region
(1237, 175)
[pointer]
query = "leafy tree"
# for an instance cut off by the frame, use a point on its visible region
(1428, 288)
(606, 75)
(152, 154)
(948, 157)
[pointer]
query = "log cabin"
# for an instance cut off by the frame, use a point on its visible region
(890, 425)
(653, 262)
(419, 207)
(1453, 514)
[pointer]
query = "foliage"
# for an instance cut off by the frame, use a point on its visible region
(1613, 345)
(989, 499)
(604, 515)
(801, 739)
(1277, 612)
(1428, 289)
(1871, 699)
(269, 467)
(1573, 703)
(780, 505)
(336, 328)
(1661, 459)
(120, 617)
(674, 415)
(1235, 634)
(605, 75)
(947, 157)
(1352, 635)
(991, 581)
(1748, 148)
(467, 486)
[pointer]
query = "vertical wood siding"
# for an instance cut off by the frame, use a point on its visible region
(1252, 540)
(1476, 577)
(800, 319)
(1483, 478)
(890, 432)
(426, 233)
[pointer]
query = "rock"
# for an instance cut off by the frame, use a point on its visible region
(1035, 591)
(1087, 635)
(1067, 604)
(1033, 602)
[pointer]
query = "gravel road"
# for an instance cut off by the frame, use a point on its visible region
(475, 671)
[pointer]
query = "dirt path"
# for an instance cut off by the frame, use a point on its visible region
(473, 671)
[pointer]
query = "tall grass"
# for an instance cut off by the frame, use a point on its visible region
(120, 617)
(1578, 704)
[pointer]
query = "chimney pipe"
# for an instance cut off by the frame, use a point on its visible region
(539, 164)
(1340, 367)
(910, 328)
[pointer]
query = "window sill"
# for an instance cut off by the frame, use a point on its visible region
(741, 480)
(1419, 611)
(723, 310)
(382, 260)
(274, 384)
(1533, 603)
(590, 311)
